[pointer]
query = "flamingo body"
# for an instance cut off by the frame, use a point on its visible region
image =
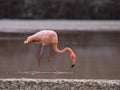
(46, 37)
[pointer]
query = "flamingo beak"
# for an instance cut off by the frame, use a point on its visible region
(73, 63)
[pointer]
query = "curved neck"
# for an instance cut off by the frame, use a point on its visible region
(55, 47)
(72, 54)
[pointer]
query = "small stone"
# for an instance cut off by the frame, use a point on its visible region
(72, 88)
(45, 88)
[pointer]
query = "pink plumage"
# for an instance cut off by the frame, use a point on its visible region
(46, 37)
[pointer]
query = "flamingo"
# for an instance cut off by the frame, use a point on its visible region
(46, 37)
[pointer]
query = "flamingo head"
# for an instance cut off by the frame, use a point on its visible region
(73, 58)
(29, 39)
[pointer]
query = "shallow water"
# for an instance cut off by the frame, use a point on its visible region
(98, 56)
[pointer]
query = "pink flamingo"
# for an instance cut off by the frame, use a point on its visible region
(46, 37)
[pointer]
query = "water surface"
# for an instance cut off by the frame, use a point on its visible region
(98, 56)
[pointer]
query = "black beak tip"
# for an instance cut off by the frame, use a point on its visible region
(72, 65)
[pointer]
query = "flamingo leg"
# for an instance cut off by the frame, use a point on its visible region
(41, 51)
(50, 61)
(39, 59)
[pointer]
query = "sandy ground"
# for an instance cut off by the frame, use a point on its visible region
(58, 84)
(60, 80)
